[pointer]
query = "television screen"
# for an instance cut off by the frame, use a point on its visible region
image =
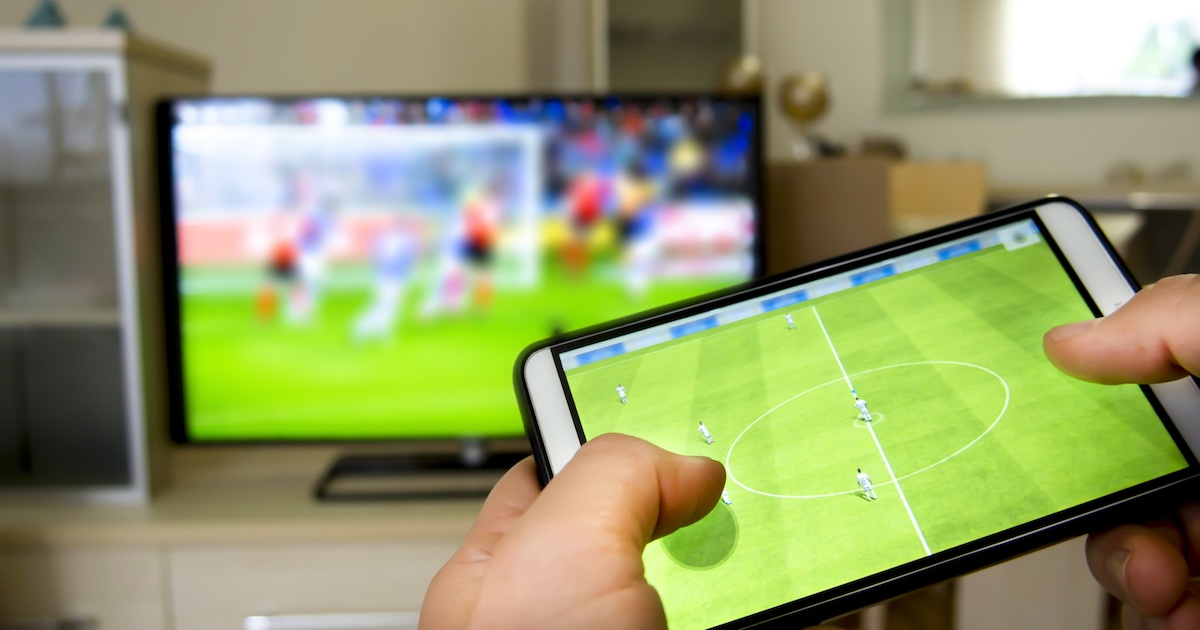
(370, 268)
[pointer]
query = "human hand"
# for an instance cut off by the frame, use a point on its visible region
(570, 556)
(1153, 338)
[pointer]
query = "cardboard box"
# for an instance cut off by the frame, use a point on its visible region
(825, 208)
(925, 195)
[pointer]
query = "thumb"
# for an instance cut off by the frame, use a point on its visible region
(1153, 338)
(655, 492)
(588, 529)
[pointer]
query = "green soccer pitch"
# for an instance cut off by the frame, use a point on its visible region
(981, 432)
(449, 376)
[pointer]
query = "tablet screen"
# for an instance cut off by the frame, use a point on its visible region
(869, 419)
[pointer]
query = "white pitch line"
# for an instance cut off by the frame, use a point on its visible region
(886, 463)
(835, 354)
(899, 490)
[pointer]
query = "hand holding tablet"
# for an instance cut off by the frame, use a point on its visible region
(977, 449)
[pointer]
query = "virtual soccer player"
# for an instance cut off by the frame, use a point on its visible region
(861, 406)
(864, 482)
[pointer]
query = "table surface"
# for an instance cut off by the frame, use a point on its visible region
(1178, 197)
(233, 496)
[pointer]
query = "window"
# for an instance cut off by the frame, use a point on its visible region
(1056, 47)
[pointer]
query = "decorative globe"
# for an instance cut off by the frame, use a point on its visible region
(804, 97)
(744, 76)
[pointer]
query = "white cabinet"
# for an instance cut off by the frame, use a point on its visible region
(92, 588)
(234, 542)
(323, 586)
(81, 394)
(223, 587)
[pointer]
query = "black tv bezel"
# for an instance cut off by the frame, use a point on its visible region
(164, 122)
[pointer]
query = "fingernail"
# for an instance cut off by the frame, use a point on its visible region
(1116, 568)
(1067, 331)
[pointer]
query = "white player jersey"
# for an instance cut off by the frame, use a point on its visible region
(864, 481)
(621, 391)
(861, 406)
(703, 429)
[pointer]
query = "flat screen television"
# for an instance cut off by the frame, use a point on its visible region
(369, 268)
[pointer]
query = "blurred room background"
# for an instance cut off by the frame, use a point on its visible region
(881, 117)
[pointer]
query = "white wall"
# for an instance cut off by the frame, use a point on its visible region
(330, 45)
(491, 45)
(1052, 145)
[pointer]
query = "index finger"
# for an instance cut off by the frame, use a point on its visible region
(1151, 339)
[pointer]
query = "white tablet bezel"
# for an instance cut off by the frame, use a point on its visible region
(1074, 234)
(1109, 289)
(551, 414)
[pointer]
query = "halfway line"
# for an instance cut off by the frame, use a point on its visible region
(879, 446)
(899, 490)
(835, 354)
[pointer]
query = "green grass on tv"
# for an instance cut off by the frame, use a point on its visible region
(981, 431)
(248, 379)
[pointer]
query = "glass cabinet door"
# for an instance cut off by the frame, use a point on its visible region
(56, 196)
(61, 378)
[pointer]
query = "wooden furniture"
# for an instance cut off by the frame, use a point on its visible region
(235, 542)
(80, 309)
(824, 208)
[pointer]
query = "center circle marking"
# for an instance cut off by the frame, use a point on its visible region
(733, 445)
(876, 420)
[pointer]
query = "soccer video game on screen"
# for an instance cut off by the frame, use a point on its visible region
(370, 268)
(869, 420)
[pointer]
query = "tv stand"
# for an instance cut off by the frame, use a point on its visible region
(470, 473)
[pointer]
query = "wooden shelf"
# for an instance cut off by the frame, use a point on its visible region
(104, 40)
(59, 318)
(1100, 199)
(233, 496)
